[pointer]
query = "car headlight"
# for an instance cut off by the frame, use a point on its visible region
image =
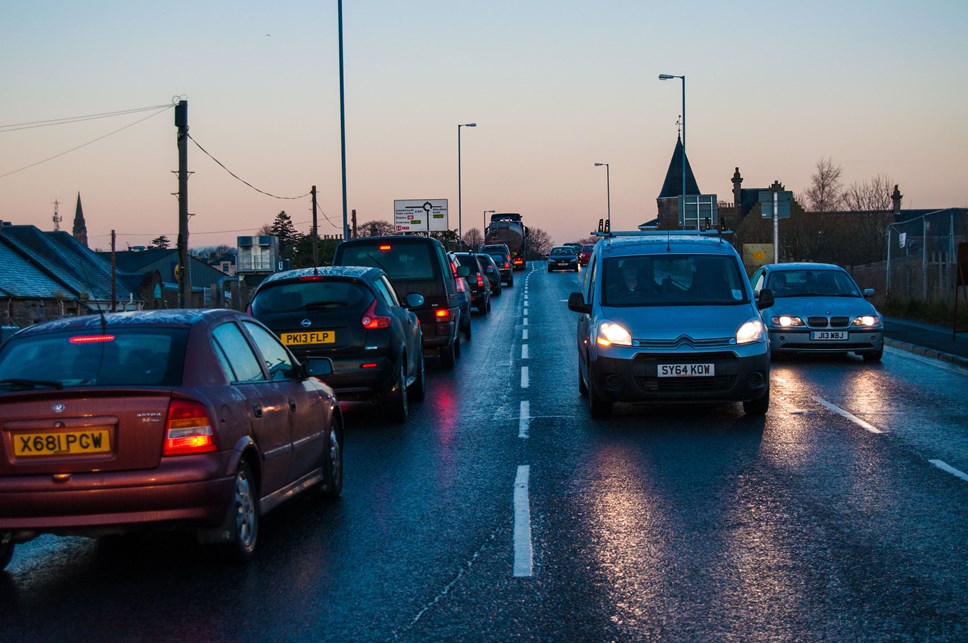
(866, 320)
(612, 334)
(786, 321)
(751, 331)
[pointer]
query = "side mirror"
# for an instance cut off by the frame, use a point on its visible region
(868, 293)
(463, 271)
(576, 303)
(319, 366)
(765, 299)
(415, 300)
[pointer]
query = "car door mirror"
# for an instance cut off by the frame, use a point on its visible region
(765, 299)
(577, 303)
(868, 293)
(415, 300)
(319, 366)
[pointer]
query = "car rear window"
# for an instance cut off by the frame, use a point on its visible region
(303, 296)
(117, 357)
(662, 280)
(400, 260)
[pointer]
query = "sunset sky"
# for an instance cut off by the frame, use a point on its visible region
(880, 87)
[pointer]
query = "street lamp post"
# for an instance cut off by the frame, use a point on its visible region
(460, 229)
(484, 229)
(608, 193)
(683, 78)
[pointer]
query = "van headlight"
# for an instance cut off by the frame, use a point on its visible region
(612, 334)
(751, 331)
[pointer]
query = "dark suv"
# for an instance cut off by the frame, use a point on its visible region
(502, 257)
(415, 265)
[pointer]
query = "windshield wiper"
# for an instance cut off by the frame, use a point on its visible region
(15, 383)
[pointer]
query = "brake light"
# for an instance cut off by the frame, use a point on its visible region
(480, 280)
(442, 314)
(311, 278)
(372, 321)
(91, 339)
(507, 265)
(189, 429)
(384, 248)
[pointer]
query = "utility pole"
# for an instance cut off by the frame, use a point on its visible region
(354, 224)
(114, 275)
(183, 272)
(315, 232)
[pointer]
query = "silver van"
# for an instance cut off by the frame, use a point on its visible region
(669, 317)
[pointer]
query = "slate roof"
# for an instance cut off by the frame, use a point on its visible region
(164, 261)
(45, 263)
(672, 186)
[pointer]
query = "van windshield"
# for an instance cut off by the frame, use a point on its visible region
(662, 280)
(401, 261)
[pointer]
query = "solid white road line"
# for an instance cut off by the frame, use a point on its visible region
(950, 469)
(524, 421)
(522, 524)
(524, 377)
(853, 418)
(524, 351)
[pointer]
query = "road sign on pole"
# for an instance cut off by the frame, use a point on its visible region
(420, 215)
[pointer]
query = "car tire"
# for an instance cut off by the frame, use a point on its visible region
(598, 407)
(331, 486)
(486, 308)
(468, 332)
(457, 346)
(759, 406)
(418, 390)
(395, 400)
(6, 553)
(873, 357)
(582, 387)
(497, 288)
(510, 281)
(244, 519)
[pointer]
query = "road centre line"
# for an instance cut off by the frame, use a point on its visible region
(524, 334)
(523, 557)
(524, 322)
(524, 420)
(524, 351)
(949, 469)
(524, 377)
(853, 418)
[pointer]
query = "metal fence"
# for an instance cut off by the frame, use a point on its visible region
(922, 256)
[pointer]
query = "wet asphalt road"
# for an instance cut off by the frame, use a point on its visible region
(501, 511)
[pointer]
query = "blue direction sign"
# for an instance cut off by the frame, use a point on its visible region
(783, 201)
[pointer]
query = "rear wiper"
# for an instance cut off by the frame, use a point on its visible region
(377, 262)
(15, 383)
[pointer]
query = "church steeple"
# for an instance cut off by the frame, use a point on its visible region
(80, 228)
(672, 186)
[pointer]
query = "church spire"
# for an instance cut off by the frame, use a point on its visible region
(80, 228)
(672, 186)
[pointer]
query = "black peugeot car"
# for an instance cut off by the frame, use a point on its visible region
(351, 317)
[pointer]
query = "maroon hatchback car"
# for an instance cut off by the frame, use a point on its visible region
(196, 419)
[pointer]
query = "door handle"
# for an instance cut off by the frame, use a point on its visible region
(292, 405)
(257, 409)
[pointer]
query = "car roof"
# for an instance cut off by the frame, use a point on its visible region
(671, 243)
(134, 319)
(354, 272)
(802, 265)
(391, 238)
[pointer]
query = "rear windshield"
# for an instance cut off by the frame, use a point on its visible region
(663, 280)
(400, 260)
(470, 262)
(119, 357)
(305, 296)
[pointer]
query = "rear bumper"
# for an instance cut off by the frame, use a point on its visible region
(437, 334)
(186, 490)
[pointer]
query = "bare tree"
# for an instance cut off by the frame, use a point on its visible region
(473, 238)
(871, 195)
(539, 242)
(825, 193)
(375, 229)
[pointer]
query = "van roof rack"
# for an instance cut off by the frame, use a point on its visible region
(712, 232)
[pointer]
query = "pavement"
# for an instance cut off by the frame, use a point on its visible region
(929, 340)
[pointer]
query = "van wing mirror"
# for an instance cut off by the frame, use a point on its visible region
(577, 303)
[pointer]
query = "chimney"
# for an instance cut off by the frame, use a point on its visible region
(896, 199)
(737, 189)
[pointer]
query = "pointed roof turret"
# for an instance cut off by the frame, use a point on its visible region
(80, 228)
(672, 186)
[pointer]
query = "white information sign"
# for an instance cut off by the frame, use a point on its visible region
(420, 215)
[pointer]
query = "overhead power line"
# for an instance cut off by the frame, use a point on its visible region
(78, 119)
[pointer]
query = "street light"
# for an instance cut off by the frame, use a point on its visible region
(683, 78)
(460, 229)
(608, 193)
(484, 229)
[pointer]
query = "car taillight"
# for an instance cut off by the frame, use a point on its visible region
(372, 321)
(480, 280)
(507, 265)
(460, 285)
(442, 314)
(189, 429)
